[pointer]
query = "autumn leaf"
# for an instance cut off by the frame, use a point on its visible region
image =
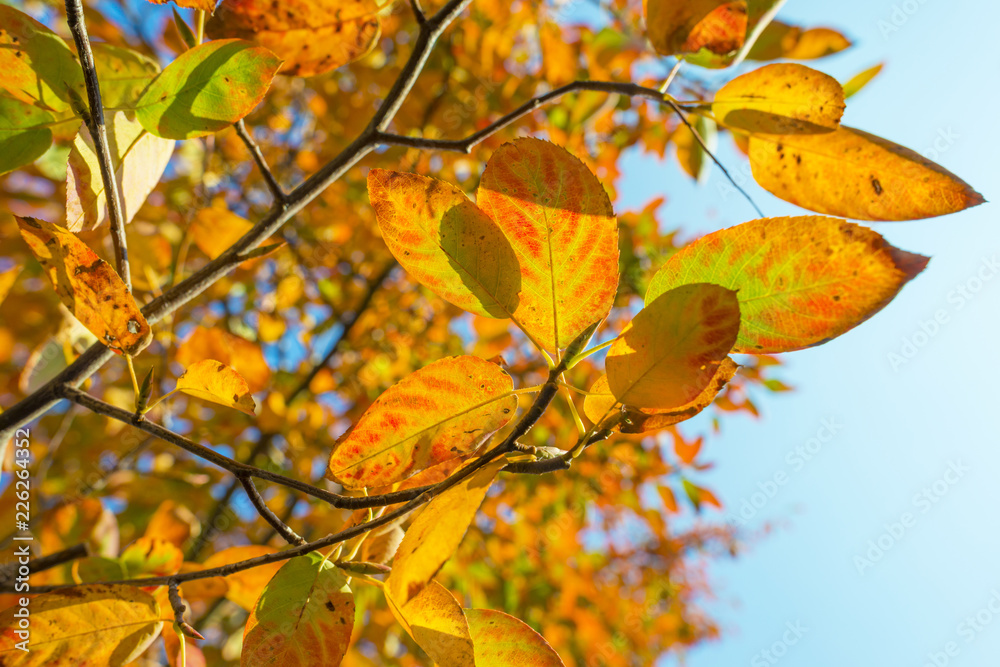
(7, 280)
(694, 160)
(699, 495)
(558, 218)
(599, 401)
(857, 175)
(445, 409)
(38, 66)
(88, 286)
(123, 74)
(213, 381)
(437, 623)
(780, 40)
(203, 5)
(244, 356)
(854, 85)
(110, 625)
(446, 242)
(671, 350)
(676, 26)
(781, 99)
(215, 228)
(24, 132)
(304, 616)
(173, 522)
(139, 159)
(151, 556)
(502, 640)
(801, 281)
(243, 587)
(436, 533)
(310, 36)
(207, 89)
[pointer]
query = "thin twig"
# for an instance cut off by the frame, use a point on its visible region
(258, 158)
(98, 132)
(179, 608)
(418, 12)
(286, 533)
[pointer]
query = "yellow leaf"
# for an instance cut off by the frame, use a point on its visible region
(502, 641)
(245, 357)
(442, 411)
(215, 228)
(668, 354)
(7, 280)
(244, 587)
(88, 287)
(437, 623)
(781, 99)
(214, 381)
(599, 401)
(861, 79)
(98, 624)
(558, 218)
(780, 40)
(311, 36)
(857, 175)
(436, 533)
(642, 421)
(173, 522)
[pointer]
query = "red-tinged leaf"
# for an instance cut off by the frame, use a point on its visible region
(668, 354)
(502, 640)
(781, 99)
(100, 624)
(437, 623)
(444, 410)
(558, 218)
(38, 66)
(446, 242)
(304, 616)
(211, 380)
(139, 159)
(801, 281)
(206, 89)
(676, 26)
(310, 36)
(88, 286)
(857, 175)
(722, 32)
(436, 533)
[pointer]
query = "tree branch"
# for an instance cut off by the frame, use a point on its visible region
(42, 563)
(258, 158)
(98, 132)
(179, 608)
(286, 533)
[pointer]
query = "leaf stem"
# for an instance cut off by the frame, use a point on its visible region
(586, 353)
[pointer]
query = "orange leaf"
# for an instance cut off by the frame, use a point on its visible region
(800, 281)
(670, 352)
(436, 622)
(781, 99)
(204, 5)
(215, 228)
(854, 174)
(304, 616)
(88, 287)
(558, 218)
(311, 36)
(442, 411)
(243, 587)
(642, 421)
(245, 357)
(685, 26)
(502, 640)
(98, 624)
(436, 533)
(172, 522)
(214, 381)
(780, 40)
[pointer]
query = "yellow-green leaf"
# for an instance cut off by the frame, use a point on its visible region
(558, 218)
(503, 641)
(857, 175)
(304, 616)
(800, 281)
(437, 623)
(100, 624)
(861, 79)
(784, 98)
(216, 382)
(436, 533)
(38, 66)
(442, 411)
(24, 132)
(673, 347)
(123, 74)
(206, 89)
(446, 242)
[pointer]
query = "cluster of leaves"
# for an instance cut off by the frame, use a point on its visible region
(405, 365)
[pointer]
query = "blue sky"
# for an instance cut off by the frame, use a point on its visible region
(912, 459)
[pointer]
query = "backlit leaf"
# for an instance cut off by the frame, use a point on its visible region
(502, 640)
(123, 74)
(310, 36)
(206, 89)
(800, 280)
(642, 421)
(214, 229)
(672, 349)
(304, 616)
(214, 381)
(151, 556)
(558, 218)
(98, 624)
(204, 5)
(88, 286)
(442, 411)
(244, 356)
(139, 159)
(674, 26)
(854, 174)
(437, 623)
(38, 66)
(784, 98)
(436, 532)
(861, 79)
(446, 242)
(780, 40)
(599, 402)
(24, 136)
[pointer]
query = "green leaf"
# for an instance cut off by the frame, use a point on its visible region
(304, 616)
(123, 74)
(207, 89)
(24, 135)
(854, 85)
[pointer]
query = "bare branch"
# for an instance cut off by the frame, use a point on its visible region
(98, 131)
(286, 533)
(179, 608)
(42, 563)
(258, 158)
